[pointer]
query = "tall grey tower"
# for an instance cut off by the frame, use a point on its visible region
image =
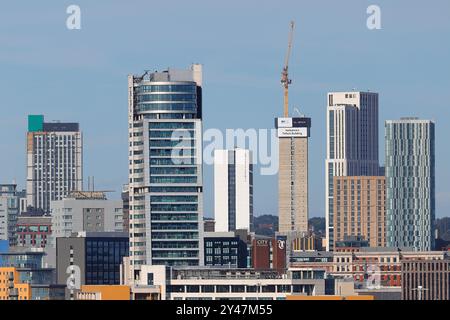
(352, 143)
(410, 183)
(165, 168)
(54, 161)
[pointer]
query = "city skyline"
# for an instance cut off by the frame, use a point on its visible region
(252, 83)
(205, 151)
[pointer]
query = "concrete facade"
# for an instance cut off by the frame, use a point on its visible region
(54, 161)
(85, 211)
(233, 190)
(293, 178)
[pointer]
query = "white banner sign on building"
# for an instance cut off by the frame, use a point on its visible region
(292, 132)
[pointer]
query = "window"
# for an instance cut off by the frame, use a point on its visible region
(150, 279)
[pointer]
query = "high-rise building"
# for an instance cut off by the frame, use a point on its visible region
(233, 190)
(54, 161)
(410, 183)
(293, 209)
(352, 143)
(165, 163)
(126, 207)
(9, 212)
(359, 209)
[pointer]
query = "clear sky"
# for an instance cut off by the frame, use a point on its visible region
(81, 75)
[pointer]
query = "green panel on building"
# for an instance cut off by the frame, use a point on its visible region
(35, 123)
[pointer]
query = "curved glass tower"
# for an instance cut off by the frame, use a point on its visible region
(165, 168)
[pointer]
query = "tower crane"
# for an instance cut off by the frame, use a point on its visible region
(285, 81)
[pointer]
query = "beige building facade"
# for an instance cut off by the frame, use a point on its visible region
(359, 204)
(293, 207)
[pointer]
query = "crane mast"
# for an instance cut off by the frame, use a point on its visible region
(285, 81)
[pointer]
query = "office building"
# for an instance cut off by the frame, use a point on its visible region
(426, 279)
(233, 190)
(352, 144)
(293, 207)
(97, 254)
(165, 165)
(410, 183)
(9, 211)
(88, 211)
(225, 249)
(54, 161)
(359, 209)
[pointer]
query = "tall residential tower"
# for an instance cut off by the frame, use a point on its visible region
(410, 183)
(352, 143)
(165, 168)
(233, 190)
(54, 161)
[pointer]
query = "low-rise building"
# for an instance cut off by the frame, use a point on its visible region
(269, 253)
(201, 283)
(322, 260)
(104, 292)
(97, 256)
(225, 249)
(307, 242)
(23, 276)
(383, 266)
(426, 279)
(34, 231)
(86, 211)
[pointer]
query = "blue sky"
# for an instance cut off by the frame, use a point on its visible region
(81, 75)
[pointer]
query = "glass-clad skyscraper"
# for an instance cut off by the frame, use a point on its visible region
(410, 183)
(352, 143)
(165, 168)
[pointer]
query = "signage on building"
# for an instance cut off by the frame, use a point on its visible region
(261, 243)
(292, 132)
(292, 123)
(284, 122)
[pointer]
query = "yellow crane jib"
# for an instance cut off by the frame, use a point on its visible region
(285, 81)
